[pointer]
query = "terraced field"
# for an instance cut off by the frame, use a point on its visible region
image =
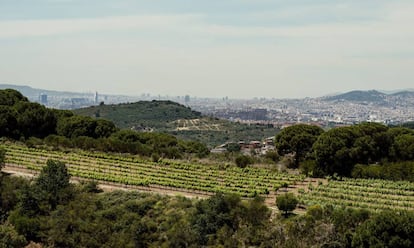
(372, 194)
(202, 179)
(131, 170)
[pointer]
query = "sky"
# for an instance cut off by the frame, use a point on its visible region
(210, 48)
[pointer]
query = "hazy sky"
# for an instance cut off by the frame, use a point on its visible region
(212, 48)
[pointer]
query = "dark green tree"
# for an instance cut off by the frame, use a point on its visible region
(403, 147)
(54, 181)
(386, 229)
(297, 140)
(8, 122)
(76, 126)
(332, 151)
(10, 97)
(371, 143)
(286, 202)
(243, 160)
(104, 128)
(213, 214)
(35, 120)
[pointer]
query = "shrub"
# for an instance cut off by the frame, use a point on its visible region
(286, 203)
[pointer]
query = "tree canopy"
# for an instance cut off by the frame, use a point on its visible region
(286, 202)
(298, 140)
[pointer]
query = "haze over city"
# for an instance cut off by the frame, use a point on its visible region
(239, 49)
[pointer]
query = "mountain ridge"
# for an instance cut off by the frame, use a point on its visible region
(32, 92)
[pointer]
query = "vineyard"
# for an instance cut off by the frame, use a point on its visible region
(130, 170)
(372, 194)
(204, 179)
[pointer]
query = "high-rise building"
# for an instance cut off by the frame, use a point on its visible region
(96, 97)
(43, 99)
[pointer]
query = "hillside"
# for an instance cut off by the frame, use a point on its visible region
(374, 97)
(142, 114)
(176, 119)
(359, 96)
(33, 93)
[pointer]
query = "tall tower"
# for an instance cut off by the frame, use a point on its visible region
(96, 97)
(43, 99)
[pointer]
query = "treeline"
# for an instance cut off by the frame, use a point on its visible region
(36, 124)
(379, 151)
(52, 212)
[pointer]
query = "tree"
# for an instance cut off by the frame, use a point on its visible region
(54, 180)
(403, 147)
(10, 97)
(8, 122)
(213, 214)
(35, 120)
(243, 160)
(386, 229)
(332, 151)
(297, 139)
(76, 126)
(286, 203)
(104, 128)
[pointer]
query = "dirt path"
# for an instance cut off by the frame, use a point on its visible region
(270, 200)
(16, 170)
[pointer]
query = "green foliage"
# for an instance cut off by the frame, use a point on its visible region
(403, 147)
(133, 219)
(243, 160)
(10, 97)
(286, 202)
(34, 119)
(339, 149)
(76, 126)
(333, 151)
(54, 181)
(388, 229)
(8, 122)
(134, 170)
(218, 220)
(9, 188)
(272, 156)
(166, 116)
(153, 114)
(233, 147)
(2, 157)
(409, 125)
(308, 167)
(194, 147)
(298, 140)
(9, 237)
(369, 194)
(388, 171)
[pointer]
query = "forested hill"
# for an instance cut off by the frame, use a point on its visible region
(358, 95)
(153, 114)
(173, 118)
(374, 97)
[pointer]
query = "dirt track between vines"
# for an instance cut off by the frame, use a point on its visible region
(17, 170)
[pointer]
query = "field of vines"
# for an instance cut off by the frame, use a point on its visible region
(373, 194)
(130, 170)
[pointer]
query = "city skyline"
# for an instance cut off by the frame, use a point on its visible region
(239, 49)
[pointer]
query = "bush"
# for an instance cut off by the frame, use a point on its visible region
(286, 203)
(272, 156)
(242, 161)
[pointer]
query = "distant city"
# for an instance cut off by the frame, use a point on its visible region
(342, 109)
